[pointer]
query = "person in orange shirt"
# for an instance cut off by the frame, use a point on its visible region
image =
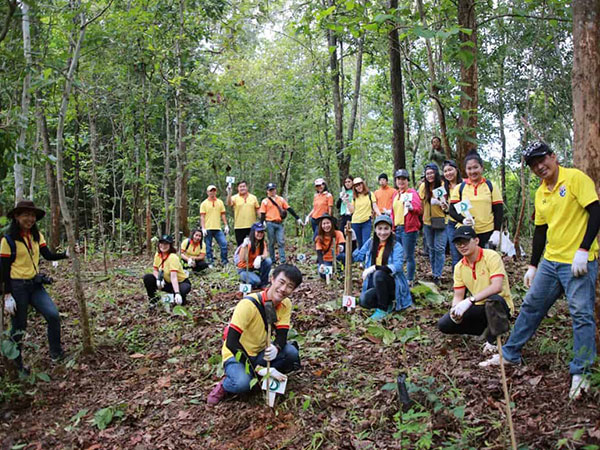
(384, 195)
(326, 234)
(322, 204)
(254, 263)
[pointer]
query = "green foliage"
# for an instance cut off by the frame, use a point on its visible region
(104, 417)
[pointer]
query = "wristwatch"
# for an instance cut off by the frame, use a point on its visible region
(472, 299)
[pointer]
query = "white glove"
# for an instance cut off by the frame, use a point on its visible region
(178, 299)
(409, 206)
(469, 221)
(270, 353)
(246, 242)
(54, 263)
(579, 264)
(228, 189)
(368, 271)
(299, 222)
(460, 308)
(495, 238)
(10, 306)
(204, 232)
(307, 220)
(226, 229)
(343, 195)
(435, 201)
(257, 262)
(160, 284)
(529, 275)
(67, 252)
(321, 268)
(273, 373)
(192, 263)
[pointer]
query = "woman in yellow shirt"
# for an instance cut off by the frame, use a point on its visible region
(362, 208)
(193, 251)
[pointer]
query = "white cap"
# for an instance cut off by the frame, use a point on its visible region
(319, 181)
(210, 188)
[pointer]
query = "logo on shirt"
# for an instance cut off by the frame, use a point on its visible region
(562, 191)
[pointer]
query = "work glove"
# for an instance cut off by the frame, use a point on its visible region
(10, 306)
(529, 275)
(460, 308)
(246, 242)
(192, 263)
(307, 220)
(343, 195)
(495, 238)
(368, 271)
(270, 353)
(257, 262)
(435, 201)
(226, 229)
(299, 222)
(228, 189)
(178, 299)
(321, 268)
(409, 206)
(204, 232)
(579, 264)
(54, 263)
(469, 221)
(273, 373)
(160, 284)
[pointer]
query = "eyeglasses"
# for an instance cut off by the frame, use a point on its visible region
(462, 243)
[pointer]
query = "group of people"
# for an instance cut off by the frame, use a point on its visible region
(563, 260)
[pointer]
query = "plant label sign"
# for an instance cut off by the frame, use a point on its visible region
(439, 192)
(301, 257)
(245, 288)
(349, 302)
(275, 387)
(463, 208)
(406, 199)
(327, 270)
(168, 298)
(229, 180)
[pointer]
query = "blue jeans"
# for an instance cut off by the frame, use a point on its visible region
(450, 230)
(362, 231)
(221, 240)
(551, 280)
(408, 242)
(314, 223)
(275, 233)
(26, 293)
(436, 242)
(237, 380)
(259, 279)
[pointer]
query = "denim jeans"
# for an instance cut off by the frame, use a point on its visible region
(450, 230)
(551, 280)
(380, 293)
(237, 380)
(26, 293)
(362, 231)
(436, 242)
(259, 279)
(275, 233)
(221, 240)
(408, 242)
(314, 223)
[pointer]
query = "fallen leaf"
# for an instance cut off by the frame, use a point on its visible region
(137, 356)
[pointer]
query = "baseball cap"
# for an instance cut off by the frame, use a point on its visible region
(382, 175)
(319, 181)
(258, 226)
(383, 218)
(210, 188)
(402, 173)
(537, 148)
(271, 186)
(464, 232)
(357, 180)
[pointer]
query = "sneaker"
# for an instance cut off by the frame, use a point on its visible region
(579, 383)
(379, 314)
(217, 394)
(59, 357)
(489, 349)
(495, 361)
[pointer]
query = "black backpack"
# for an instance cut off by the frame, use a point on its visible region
(462, 188)
(13, 253)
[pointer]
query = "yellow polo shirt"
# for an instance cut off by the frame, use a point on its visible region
(212, 209)
(244, 210)
(170, 263)
(248, 322)
(478, 277)
(23, 268)
(398, 207)
(481, 202)
(193, 249)
(429, 211)
(362, 207)
(563, 210)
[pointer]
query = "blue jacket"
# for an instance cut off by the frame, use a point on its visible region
(395, 263)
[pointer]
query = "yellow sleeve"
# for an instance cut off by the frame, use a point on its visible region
(496, 194)
(156, 262)
(242, 315)
(583, 189)
(422, 191)
(495, 264)
(174, 263)
(203, 207)
(454, 195)
(4, 248)
(458, 280)
(284, 314)
(255, 201)
(221, 206)
(42, 240)
(539, 217)
(184, 245)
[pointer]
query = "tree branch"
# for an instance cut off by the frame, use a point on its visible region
(489, 19)
(12, 7)
(97, 15)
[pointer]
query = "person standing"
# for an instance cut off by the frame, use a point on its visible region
(434, 221)
(363, 207)
(384, 194)
(452, 178)
(322, 204)
(405, 217)
(212, 212)
(436, 154)
(567, 219)
(245, 206)
(273, 210)
(345, 199)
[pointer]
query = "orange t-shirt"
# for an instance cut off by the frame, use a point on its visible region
(271, 211)
(384, 198)
(321, 204)
(251, 257)
(324, 245)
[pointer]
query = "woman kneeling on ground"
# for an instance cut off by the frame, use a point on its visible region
(167, 274)
(254, 263)
(324, 243)
(193, 251)
(20, 251)
(383, 277)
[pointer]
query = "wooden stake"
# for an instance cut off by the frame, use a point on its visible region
(348, 261)
(513, 440)
(333, 261)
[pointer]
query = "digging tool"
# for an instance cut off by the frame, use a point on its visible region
(333, 260)
(497, 318)
(348, 263)
(271, 317)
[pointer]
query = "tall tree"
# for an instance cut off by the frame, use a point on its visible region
(398, 147)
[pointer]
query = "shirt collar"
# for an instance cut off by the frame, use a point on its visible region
(475, 185)
(559, 180)
(465, 261)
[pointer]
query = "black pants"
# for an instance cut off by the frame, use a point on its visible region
(150, 283)
(240, 234)
(199, 267)
(484, 238)
(380, 293)
(474, 321)
(344, 218)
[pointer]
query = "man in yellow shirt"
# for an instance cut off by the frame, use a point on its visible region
(212, 212)
(244, 352)
(567, 219)
(245, 206)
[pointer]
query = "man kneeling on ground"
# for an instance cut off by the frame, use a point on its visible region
(246, 337)
(482, 272)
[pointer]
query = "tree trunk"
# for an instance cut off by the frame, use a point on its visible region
(98, 209)
(167, 170)
(67, 218)
(467, 121)
(586, 98)
(501, 114)
(398, 149)
(356, 94)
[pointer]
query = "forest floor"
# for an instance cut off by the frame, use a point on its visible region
(145, 386)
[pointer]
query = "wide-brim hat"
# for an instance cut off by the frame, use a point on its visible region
(331, 218)
(26, 205)
(166, 238)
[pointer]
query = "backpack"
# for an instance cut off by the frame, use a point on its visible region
(13, 253)
(260, 308)
(236, 255)
(462, 188)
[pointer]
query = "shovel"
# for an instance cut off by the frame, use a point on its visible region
(497, 318)
(271, 318)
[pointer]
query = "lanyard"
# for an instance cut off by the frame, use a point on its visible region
(162, 264)
(28, 246)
